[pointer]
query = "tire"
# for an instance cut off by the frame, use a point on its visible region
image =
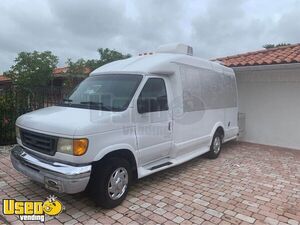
(110, 182)
(216, 146)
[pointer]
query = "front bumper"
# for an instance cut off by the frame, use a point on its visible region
(55, 176)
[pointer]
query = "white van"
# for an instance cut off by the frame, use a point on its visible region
(129, 119)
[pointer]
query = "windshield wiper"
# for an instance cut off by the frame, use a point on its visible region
(96, 104)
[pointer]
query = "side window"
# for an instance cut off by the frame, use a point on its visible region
(153, 96)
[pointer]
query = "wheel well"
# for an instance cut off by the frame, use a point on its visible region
(124, 154)
(220, 130)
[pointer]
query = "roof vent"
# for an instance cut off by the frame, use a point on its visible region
(175, 48)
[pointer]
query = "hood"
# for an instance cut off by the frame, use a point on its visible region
(69, 121)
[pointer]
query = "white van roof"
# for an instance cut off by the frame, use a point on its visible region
(157, 62)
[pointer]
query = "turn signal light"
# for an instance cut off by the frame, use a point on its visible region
(80, 146)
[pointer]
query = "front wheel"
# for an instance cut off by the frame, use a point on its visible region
(216, 146)
(110, 182)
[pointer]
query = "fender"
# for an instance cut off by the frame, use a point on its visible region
(112, 148)
(213, 131)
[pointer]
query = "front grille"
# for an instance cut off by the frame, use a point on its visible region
(39, 142)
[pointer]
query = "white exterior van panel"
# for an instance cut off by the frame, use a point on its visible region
(230, 123)
(194, 129)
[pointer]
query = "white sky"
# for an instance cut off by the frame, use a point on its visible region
(77, 28)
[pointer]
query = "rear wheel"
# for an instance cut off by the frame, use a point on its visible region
(110, 182)
(216, 145)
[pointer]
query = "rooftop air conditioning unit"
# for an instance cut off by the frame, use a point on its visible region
(175, 48)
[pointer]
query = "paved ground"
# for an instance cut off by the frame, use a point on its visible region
(247, 184)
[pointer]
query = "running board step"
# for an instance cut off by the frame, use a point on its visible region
(160, 165)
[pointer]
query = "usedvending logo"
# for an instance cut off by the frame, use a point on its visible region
(32, 210)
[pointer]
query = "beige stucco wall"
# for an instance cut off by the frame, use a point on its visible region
(270, 98)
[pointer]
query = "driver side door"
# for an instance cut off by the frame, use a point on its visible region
(154, 121)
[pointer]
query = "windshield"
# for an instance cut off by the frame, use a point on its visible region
(108, 92)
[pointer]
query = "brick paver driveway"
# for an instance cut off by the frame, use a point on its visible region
(246, 184)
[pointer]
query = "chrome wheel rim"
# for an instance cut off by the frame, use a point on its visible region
(118, 183)
(217, 145)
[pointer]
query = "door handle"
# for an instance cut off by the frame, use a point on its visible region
(169, 126)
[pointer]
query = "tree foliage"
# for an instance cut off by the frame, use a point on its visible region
(32, 68)
(83, 66)
(268, 46)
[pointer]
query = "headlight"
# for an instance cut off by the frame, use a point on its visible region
(65, 145)
(75, 147)
(18, 135)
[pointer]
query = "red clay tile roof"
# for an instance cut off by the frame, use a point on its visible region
(60, 70)
(279, 55)
(56, 72)
(4, 78)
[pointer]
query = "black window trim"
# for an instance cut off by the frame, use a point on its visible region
(147, 79)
